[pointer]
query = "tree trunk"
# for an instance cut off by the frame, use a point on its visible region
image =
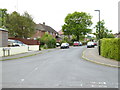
(78, 37)
(69, 37)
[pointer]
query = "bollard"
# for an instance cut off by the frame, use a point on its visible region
(6, 49)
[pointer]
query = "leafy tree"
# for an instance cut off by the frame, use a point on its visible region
(21, 26)
(3, 15)
(104, 32)
(77, 24)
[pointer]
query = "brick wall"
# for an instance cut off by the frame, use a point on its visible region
(3, 38)
(38, 34)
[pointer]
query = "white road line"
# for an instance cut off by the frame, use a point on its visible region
(22, 80)
(81, 85)
(36, 68)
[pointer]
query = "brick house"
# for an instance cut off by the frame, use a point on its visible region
(3, 38)
(117, 35)
(41, 29)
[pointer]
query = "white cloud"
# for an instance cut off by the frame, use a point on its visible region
(53, 12)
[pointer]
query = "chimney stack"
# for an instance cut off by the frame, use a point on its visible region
(43, 23)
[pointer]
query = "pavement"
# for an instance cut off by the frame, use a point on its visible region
(89, 54)
(92, 55)
(26, 54)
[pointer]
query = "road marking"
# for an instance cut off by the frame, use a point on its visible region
(92, 85)
(22, 80)
(81, 85)
(36, 68)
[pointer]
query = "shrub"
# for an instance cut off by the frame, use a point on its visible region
(110, 48)
(48, 41)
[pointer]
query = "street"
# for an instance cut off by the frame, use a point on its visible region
(61, 68)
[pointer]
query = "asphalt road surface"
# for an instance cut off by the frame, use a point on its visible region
(61, 68)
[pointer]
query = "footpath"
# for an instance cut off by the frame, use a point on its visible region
(91, 54)
(27, 54)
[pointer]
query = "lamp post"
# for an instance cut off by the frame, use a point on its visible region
(99, 32)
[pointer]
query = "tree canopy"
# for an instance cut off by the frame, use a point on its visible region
(3, 15)
(77, 24)
(104, 32)
(21, 26)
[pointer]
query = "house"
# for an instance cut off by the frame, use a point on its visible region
(3, 38)
(61, 35)
(117, 35)
(41, 29)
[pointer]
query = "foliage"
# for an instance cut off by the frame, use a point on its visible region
(110, 48)
(21, 26)
(77, 24)
(104, 32)
(48, 41)
(3, 16)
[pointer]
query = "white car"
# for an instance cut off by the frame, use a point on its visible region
(57, 44)
(15, 43)
(90, 44)
(64, 45)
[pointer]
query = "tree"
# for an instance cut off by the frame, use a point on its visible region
(77, 24)
(104, 32)
(3, 15)
(21, 26)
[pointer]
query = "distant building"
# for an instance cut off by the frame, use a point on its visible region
(61, 34)
(117, 35)
(41, 29)
(3, 38)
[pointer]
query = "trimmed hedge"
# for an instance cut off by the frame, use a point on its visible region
(110, 48)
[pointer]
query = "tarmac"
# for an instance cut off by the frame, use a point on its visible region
(89, 54)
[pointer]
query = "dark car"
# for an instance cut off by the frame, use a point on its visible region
(64, 45)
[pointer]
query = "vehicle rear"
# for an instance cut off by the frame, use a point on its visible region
(64, 45)
(90, 44)
(76, 43)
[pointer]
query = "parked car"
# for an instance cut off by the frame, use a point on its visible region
(80, 43)
(95, 43)
(14, 43)
(57, 44)
(76, 43)
(64, 45)
(90, 45)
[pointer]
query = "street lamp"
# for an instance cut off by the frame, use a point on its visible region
(99, 32)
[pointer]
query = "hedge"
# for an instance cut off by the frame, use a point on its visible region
(110, 48)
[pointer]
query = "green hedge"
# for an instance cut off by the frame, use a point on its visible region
(110, 48)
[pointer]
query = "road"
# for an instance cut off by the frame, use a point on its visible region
(60, 68)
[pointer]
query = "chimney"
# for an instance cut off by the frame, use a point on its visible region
(43, 23)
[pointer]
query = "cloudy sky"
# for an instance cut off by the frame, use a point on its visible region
(53, 12)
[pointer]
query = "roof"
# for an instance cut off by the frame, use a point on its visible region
(43, 27)
(60, 32)
(1, 29)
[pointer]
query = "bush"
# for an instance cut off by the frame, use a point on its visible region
(48, 41)
(110, 48)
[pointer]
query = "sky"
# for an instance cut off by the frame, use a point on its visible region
(53, 12)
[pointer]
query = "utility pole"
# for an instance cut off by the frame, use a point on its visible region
(99, 33)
